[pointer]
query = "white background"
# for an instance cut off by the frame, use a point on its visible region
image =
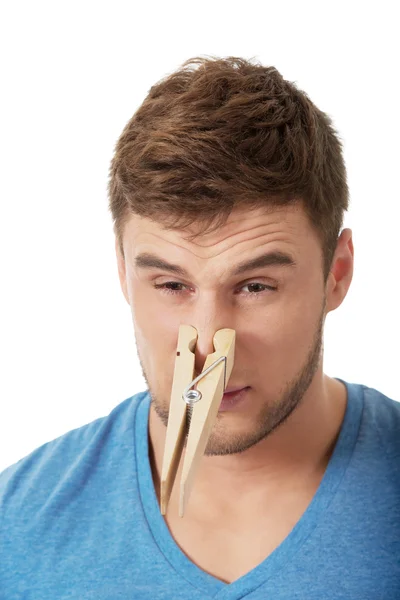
(72, 75)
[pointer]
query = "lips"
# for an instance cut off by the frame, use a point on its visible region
(234, 397)
(233, 389)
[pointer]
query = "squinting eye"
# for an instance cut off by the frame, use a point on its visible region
(261, 288)
(169, 290)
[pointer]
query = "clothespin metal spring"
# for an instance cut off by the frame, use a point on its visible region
(191, 396)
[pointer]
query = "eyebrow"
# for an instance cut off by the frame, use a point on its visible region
(270, 259)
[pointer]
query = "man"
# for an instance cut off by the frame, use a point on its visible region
(227, 190)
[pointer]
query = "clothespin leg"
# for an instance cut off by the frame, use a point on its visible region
(176, 429)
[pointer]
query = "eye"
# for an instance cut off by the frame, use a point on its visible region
(257, 289)
(170, 287)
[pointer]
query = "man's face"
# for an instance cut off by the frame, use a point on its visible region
(277, 311)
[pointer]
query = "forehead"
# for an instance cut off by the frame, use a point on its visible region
(244, 228)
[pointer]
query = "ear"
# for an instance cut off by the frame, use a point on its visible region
(341, 272)
(121, 270)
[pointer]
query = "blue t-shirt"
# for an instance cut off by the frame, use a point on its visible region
(80, 519)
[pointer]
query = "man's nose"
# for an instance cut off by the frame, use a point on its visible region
(204, 347)
(207, 324)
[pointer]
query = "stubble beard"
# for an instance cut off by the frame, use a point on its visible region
(222, 442)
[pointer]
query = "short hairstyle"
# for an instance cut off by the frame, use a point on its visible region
(221, 133)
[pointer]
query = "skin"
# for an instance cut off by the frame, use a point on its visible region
(272, 450)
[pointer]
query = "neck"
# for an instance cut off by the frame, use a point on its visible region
(299, 449)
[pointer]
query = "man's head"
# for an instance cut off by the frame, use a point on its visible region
(228, 190)
(218, 134)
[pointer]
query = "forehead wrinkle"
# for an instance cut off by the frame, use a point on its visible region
(176, 244)
(235, 233)
(235, 244)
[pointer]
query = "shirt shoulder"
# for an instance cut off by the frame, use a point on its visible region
(382, 412)
(67, 461)
(379, 432)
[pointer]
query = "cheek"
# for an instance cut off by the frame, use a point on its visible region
(156, 334)
(300, 321)
(157, 326)
(279, 340)
(291, 319)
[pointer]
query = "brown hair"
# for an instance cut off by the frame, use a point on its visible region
(221, 133)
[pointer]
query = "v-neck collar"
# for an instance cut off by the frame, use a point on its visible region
(286, 550)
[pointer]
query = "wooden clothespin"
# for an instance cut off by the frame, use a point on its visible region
(193, 412)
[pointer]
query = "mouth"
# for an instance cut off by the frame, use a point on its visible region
(233, 396)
